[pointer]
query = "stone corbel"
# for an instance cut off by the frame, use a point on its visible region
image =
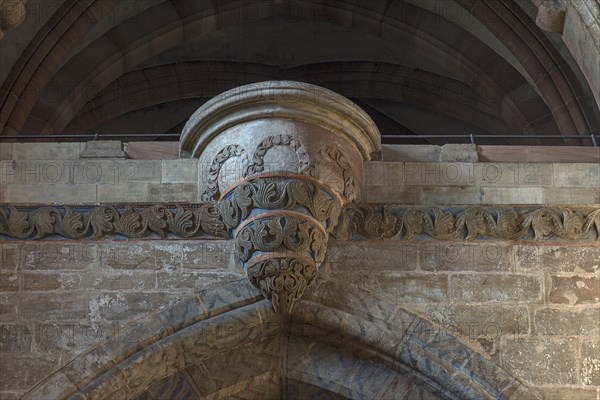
(281, 159)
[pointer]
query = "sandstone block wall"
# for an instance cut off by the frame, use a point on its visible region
(533, 307)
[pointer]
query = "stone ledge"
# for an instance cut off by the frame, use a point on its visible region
(103, 149)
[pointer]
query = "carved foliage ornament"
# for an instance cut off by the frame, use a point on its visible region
(469, 223)
(280, 194)
(373, 222)
(331, 155)
(282, 234)
(212, 181)
(105, 220)
(321, 169)
(283, 280)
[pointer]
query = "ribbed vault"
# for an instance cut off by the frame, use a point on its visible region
(469, 66)
(228, 343)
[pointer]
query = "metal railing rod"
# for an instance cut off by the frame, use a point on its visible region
(472, 137)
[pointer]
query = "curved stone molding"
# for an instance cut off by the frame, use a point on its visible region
(275, 100)
(340, 316)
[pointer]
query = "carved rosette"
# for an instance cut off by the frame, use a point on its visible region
(280, 159)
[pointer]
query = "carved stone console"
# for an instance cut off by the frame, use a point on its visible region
(281, 159)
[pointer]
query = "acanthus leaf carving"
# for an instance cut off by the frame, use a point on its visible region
(373, 222)
(470, 223)
(281, 233)
(333, 156)
(282, 280)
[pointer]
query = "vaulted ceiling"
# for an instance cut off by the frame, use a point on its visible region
(425, 67)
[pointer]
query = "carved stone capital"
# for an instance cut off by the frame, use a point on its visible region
(281, 159)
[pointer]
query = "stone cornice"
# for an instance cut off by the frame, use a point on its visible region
(355, 223)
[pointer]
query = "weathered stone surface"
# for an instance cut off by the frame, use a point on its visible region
(574, 290)
(151, 255)
(70, 338)
(475, 321)
(57, 387)
(8, 306)
(560, 321)
(536, 359)
(127, 306)
(210, 254)
(132, 193)
(438, 174)
(514, 195)
(51, 194)
(512, 175)
(572, 195)
(587, 175)
(15, 338)
(459, 153)
(25, 371)
(190, 280)
(578, 258)
(9, 256)
(80, 172)
(61, 306)
(5, 151)
(558, 393)
(483, 288)
(404, 288)
(590, 361)
(173, 192)
(453, 256)
(46, 151)
(449, 195)
(422, 153)
(9, 282)
(180, 171)
(113, 280)
(103, 149)
(67, 256)
(10, 395)
(551, 16)
(392, 194)
(372, 255)
(41, 281)
(459, 174)
(381, 173)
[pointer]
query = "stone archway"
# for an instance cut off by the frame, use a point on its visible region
(337, 343)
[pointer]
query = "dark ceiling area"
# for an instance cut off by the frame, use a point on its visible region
(437, 71)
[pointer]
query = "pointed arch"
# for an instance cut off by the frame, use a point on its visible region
(347, 342)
